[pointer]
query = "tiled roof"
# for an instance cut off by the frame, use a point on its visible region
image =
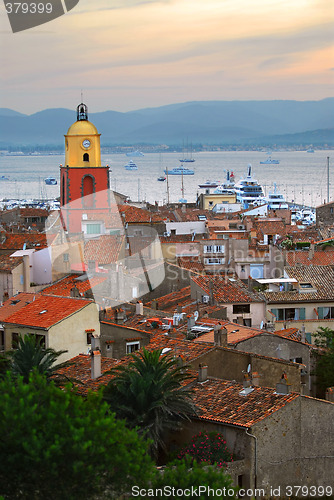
(47, 310)
(80, 369)
(319, 258)
(63, 287)
(235, 332)
(104, 250)
(192, 263)
(34, 212)
(16, 241)
(171, 300)
(7, 263)
(320, 277)
(191, 214)
(226, 291)
(289, 333)
(220, 401)
(16, 303)
(133, 214)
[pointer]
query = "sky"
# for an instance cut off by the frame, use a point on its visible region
(126, 55)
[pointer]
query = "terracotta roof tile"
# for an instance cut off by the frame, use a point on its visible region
(7, 263)
(16, 303)
(16, 241)
(104, 250)
(133, 214)
(320, 277)
(220, 401)
(46, 310)
(64, 286)
(225, 290)
(319, 258)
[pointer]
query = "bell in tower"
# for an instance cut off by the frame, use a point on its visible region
(82, 112)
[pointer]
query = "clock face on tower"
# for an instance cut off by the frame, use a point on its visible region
(86, 143)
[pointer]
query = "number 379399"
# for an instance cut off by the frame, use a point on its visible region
(28, 8)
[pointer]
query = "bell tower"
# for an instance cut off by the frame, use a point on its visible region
(84, 182)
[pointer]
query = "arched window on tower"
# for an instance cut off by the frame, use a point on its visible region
(88, 191)
(86, 157)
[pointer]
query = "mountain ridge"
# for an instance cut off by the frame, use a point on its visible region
(205, 122)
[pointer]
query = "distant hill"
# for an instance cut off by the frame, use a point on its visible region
(200, 122)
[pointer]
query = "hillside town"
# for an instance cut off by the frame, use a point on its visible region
(236, 295)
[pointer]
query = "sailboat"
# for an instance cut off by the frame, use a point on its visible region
(162, 177)
(187, 158)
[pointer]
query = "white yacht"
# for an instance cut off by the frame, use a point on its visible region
(131, 166)
(248, 190)
(276, 200)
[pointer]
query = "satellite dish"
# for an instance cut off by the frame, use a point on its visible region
(196, 315)
(248, 368)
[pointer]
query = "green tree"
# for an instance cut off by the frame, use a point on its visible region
(150, 394)
(192, 480)
(55, 444)
(324, 356)
(31, 355)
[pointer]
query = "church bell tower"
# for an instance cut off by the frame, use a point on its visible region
(84, 182)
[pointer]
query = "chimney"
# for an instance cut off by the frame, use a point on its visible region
(96, 364)
(311, 251)
(139, 308)
(255, 379)
(202, 373)
(302, 334)
(220, 336)
(26, 273)
(154, 306)
(283, 387)
(95, 343)
(190, 322)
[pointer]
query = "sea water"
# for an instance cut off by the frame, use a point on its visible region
(300, 176)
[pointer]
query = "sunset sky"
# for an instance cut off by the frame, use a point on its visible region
(127, 55)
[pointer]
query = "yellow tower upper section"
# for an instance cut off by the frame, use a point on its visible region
(82, 142)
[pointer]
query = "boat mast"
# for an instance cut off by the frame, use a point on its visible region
(182, 185)
(167, 187)
(327, 179)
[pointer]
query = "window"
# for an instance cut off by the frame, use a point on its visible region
(2, 340)
(241, 308)
(66, 257)
(15, 340)
(89, 337)
(86, 157)
(212, 261)
(132, 347)
(208, 248)
(306, 285)
(289, 314)
(93, 228)
(326, 312)
(40, 339)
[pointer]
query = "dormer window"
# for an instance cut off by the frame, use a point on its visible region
(306, 285)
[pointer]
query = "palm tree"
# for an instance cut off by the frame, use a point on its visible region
(150, 394)
(30, 356)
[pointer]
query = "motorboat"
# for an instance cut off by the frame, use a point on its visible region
(134, 153)
(162, 178)
(228, 186)
(131, 166)
(50, 181)
(209, 184)
(248, 190)
(269, 161)
(276, 200)
(4, 178)
(180, 171)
